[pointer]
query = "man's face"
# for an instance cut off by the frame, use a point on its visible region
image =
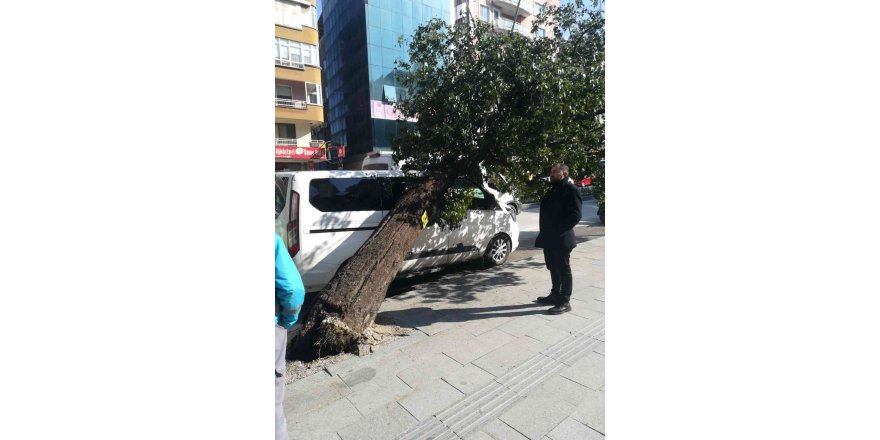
(556, 174)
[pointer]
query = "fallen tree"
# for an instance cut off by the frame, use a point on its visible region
(482, 101)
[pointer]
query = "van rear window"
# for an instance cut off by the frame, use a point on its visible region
(345, 194)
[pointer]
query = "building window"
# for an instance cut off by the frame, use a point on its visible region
(295, 15)
(541, 32)
(313, 93)
(307, 55)
(288, 15)
(283, 92)
(390, 93)
(484, 13)
(539, 8)
(293, 53)
(285, 131)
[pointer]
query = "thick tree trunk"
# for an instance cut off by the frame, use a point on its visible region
(351, 300)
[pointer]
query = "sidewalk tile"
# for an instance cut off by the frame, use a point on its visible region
(379, 369)
(571, 429)
(544, 407)
(479, 435)
(522, 325)
(588, 371)
(505, 358)
(384, 423)
(430, 399)
(323, 423)
(429, 368)
(583, 309)
(596, 305)
(469, 379)
(438, 343)
(425, 319)
(600, 349)
(475, 347)
(561, 389)
(375, 395)
(570, 323)
(548, 334)
(317, 395)
(591, 411)
(534, 417)
(495, 430)
(479, 326)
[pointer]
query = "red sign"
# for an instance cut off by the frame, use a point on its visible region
(285, 152)
(340, 151)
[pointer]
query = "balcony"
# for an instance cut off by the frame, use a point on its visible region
(286, 142)
(288, 63)
(290, 103)
(508, 7)
(504, 24)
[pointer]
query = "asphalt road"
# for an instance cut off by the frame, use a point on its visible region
(589, 227)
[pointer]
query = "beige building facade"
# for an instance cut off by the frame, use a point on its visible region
(298, 94)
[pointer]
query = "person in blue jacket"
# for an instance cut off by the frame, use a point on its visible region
(289, 297)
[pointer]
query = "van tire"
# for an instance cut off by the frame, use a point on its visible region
(498, 251)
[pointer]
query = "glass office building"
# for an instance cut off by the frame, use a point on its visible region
(358, 45)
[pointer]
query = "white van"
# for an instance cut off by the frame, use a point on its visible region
(325, 216)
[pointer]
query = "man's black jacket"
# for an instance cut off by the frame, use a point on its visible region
(560, 212)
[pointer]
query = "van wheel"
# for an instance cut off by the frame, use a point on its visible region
(498, 251)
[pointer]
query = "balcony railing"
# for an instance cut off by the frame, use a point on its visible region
(290, 103)
(505, 24)
(287, 63)
(287, 142)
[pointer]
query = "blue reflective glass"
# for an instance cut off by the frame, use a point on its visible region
(375, 53)
(374, 33)
(387, 19)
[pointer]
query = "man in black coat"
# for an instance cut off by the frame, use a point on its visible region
(560, 212)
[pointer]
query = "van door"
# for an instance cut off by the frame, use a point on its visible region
(337, 215)
(431, 244)
(468, 241)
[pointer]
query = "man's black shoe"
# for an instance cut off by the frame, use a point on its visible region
(549, 299)
(560, 309)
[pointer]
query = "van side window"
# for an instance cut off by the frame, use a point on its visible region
(281, 185)
(345, 194)
(480, 201)
(392, 189)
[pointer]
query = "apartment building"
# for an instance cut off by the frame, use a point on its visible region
(506, 15)
(298, 95)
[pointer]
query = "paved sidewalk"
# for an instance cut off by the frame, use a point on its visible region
(484, 362)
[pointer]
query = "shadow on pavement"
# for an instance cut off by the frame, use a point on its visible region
(457, 284)
(425, 316)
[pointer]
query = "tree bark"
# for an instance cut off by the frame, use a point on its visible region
(350, 301)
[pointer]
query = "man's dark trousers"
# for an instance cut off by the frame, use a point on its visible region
(557, 260)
